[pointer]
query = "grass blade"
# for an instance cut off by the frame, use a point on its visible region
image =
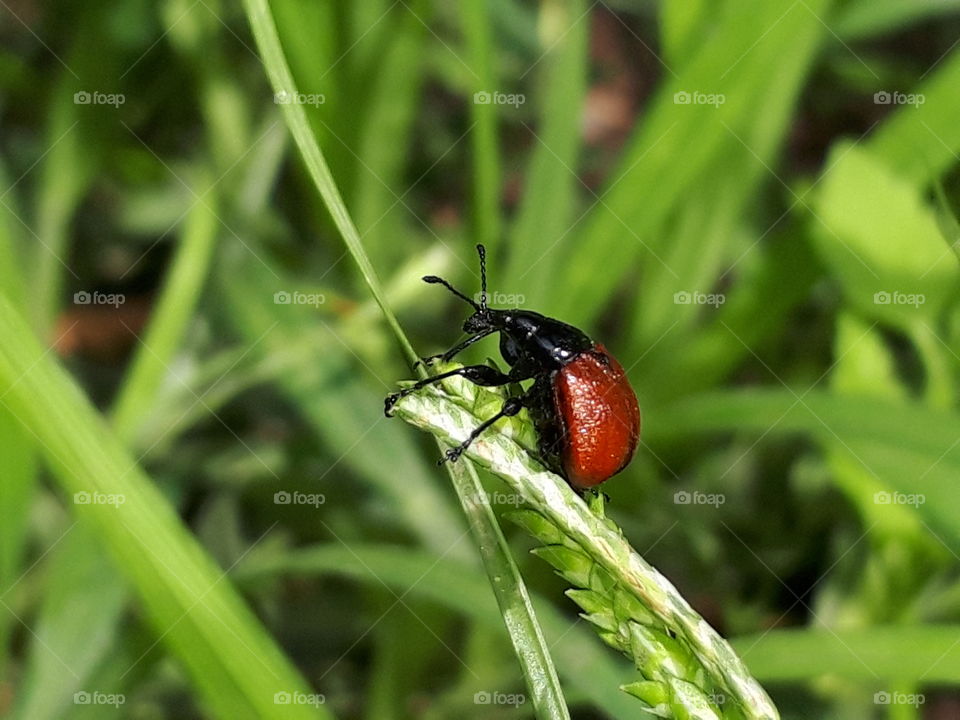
(275, 64)
(234, 664)
(920, 142)
(551, 187)
(684, 663)
(677, 145)
(170, 316)
(580, 659)
(477, 28)
(74, 629)
(907, 455)
(923, 653)
(526, 635)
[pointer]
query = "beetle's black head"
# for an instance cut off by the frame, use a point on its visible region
(484, 319)
(526, 336)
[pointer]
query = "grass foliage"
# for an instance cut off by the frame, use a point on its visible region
(203, 511)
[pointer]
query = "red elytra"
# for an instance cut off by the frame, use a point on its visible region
(599, 417)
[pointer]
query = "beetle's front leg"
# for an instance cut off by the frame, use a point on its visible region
(478, 374)
(449, 354)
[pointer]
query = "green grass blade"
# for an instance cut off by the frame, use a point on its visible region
(927, 654)
(18, 459)
(170, 315)
(677, 145)
(920, 142)
(527, 638)
(864, 18)
(580, 659)
(682, 25)
(386, 139)
(275, 64)
(315, 40)
(775, 278)
(551, 186)
(67, 172)
(526, 635)
(340, 407)
(637, 610)
(75, 626)
(234, 664)
(916, 453)
(881, 238)
(18, 467)
(481, 51)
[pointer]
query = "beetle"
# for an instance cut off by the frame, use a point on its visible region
(583, 408)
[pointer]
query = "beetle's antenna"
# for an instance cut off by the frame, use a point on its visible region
(482, 252)
(434, 280)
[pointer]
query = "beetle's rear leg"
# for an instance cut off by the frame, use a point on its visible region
(478, 374)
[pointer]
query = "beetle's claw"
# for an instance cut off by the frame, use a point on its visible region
(453, 454)
(388, 402)
(427, 361)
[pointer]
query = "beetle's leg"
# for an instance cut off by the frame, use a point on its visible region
(448, 355)
(478, 374)
(510, 408)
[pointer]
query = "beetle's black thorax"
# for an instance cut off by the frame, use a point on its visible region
(529, 338)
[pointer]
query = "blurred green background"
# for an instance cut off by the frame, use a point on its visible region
(751, 203)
